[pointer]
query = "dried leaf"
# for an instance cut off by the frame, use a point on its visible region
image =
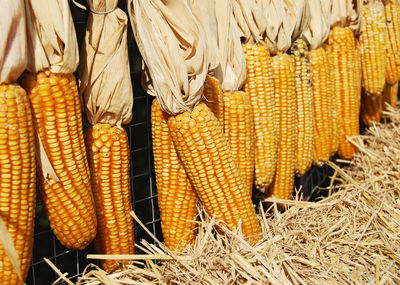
(13, 49)
(232, 70)
(51, 36)
(105, 81)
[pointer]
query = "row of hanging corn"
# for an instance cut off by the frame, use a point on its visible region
(298, 105)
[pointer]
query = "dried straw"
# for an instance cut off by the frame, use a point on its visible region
(351, 237)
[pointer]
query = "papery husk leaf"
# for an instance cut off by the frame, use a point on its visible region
(13, 49)
(232, 70)
(278, 35)
(173, 46)
(299, 16)
(204, 10)
(318, 30)
(346, 13)
(105, 81)
(52, 40)
(250, 19)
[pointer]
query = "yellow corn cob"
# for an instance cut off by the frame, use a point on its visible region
(214, 96)
(17, 180)
(373, 47)
(285, 99)
(322, 113)
(342, 45)
(176, 196)
(108, 155)
(335, 100)
(371, 109)
(357, 73)
(390, 95)
(260, 89)
(57, 118)
(304, 103)
(238, 129)
(392, 13)
(208, 161)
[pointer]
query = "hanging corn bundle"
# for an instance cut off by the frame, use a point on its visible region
(373, 36)
(259, 88)
(63, 173)
(341, 51)
(278, 39)
(17, 150)
(316, 35)
(392, 16)
(107, 92)
(196, 132)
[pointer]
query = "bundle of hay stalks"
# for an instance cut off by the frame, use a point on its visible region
(351, 237)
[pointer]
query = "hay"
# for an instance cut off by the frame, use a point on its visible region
(351, 237)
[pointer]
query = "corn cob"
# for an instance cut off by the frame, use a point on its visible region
(285, 99)
(260, 89)
(373, 47)
(214, 97)
(322, 113)
(238, 129)
(392, 14)
(304, 103)
(357, 73)
(390, 95)
(108, 155)
(176, 196)
(335, 100)
(208, 161)
(57, 118)
(371, 109)
(342, 47)
(17, 180)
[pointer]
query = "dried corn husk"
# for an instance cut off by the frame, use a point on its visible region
(172, 43)
(105, 81)
(278, 32)
(299, 16)
(232, 70)
(346, 13)
(318, 30)
(13, 49)
(51, 36)
(204, 10)
(250, 18)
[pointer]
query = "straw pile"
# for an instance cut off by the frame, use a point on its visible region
(351, 237)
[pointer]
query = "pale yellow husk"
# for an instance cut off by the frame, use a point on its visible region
(105, 81)
(172, 43)
(13, 46)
